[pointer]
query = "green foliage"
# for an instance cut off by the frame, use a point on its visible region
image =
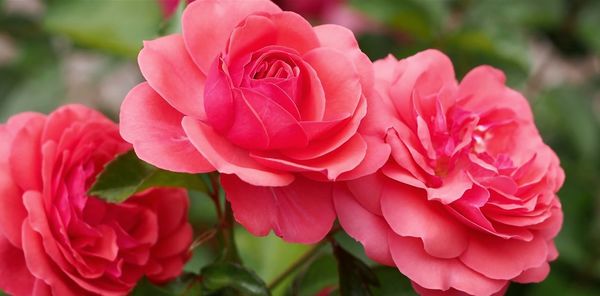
(127, 175)
(355, 277)
(115, 26)
(223, 275)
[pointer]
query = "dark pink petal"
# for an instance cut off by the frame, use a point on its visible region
(154, 129)
(301, 212)
(12, 211)
(253, 33)
(369, 229)
(504, 259)
(229, 159)
(367, 191)
(321, 147)
(247, 129)
(377, 155)
(332, 165)
(450, 292)
(15, 278)
(207, 25)
(283, 129)
(410, 214)
(170, 71)
(435, 273)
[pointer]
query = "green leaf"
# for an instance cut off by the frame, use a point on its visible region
(186, 284)
(269, 256)
(356, 277)
(321, 274)
(127, 175)
(230, 276)
(392, 282)
(115, 26)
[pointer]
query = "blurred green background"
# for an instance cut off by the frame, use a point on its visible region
(60, 51)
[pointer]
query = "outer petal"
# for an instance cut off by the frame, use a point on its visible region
(409, 213)
(504, 259)
(171, 72)
(207, 25)
(301, 212)
(369, 229)
(229, 159)
(435, 273)
(15, 278)
(154, 129)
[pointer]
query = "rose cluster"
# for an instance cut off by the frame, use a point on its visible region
(448, 181)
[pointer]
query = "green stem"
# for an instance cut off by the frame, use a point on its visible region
(307, 257)
(230, 251)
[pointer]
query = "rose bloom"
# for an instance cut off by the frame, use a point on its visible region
(259, 95)
(57, 240)
(467, 201)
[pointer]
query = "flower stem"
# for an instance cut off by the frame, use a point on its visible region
(307, 257)
(230, 251)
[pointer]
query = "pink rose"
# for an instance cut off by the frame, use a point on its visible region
(467, 201)
(54, 238)
(267, 100)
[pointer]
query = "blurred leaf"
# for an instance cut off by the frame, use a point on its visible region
(42, 91)
(355, 277)
(471, 48)
(127, 175)
(421, 20)
(321, 274)
(225, 275)
(589, 23)
(392, 282)
(269, 256)
(115, 26)
(186, 284)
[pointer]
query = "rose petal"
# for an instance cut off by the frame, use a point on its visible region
(409, 213)
(229, 159)
(15, 278)
(205, 37)
(301, 212)
(154, 129)
(369, 229)
(170, 71)
(435, 273)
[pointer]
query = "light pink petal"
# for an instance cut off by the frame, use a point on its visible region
(377, 155)
(409, 70)
(483, 89)
(229, 159)
(25, 159)
(534, 275)
(343, 39)
(170, 71)
(504, 258)
(154, 129)
(252, 34)
(294, 32)
(207, 25)
(15, 278)
(301, 212)
(339, 78)
(410, 214)
(369, 229)
(12, 211)
(367, 191)
(438, 274)
(454, 186)
(451, 292)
